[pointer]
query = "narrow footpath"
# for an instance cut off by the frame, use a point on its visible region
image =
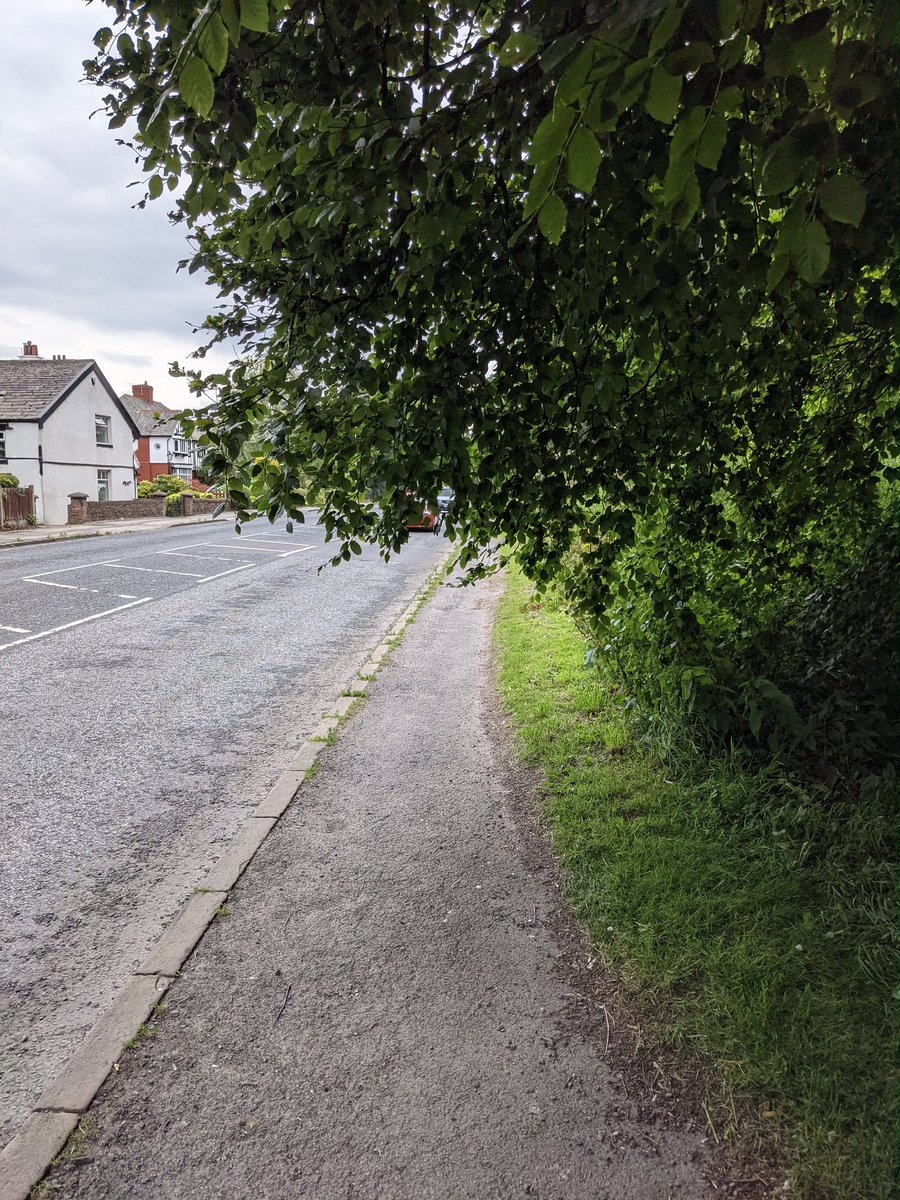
(388, 1009)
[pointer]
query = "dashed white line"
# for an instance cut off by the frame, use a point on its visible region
(14, 629)
(71, 624)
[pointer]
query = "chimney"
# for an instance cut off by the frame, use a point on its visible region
(143, 391)
(29, 350)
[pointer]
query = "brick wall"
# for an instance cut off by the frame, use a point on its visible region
(114, 510)
(198, 506)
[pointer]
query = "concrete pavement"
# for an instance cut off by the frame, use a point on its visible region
(387, 1006)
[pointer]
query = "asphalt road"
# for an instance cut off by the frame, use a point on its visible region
(152, 687)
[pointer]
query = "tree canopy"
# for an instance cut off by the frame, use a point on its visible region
(622, 274)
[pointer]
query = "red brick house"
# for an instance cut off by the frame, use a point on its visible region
(162, 447)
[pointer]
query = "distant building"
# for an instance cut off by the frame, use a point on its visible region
(63, 429)
(162, 446)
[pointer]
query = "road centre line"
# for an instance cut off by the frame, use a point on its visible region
(14, 629)
(71, 624)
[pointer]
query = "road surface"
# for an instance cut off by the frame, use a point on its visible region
(152, 687)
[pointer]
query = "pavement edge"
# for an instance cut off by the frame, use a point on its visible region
(25, 1160)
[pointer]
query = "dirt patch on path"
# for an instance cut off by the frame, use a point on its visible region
(391, 1008)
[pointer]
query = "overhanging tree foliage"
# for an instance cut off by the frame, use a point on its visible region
(624, 274)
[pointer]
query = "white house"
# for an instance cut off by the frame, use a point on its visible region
(63, 429)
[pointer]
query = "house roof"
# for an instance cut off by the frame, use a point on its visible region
(150, 417)
(28, 389)
(31, 389)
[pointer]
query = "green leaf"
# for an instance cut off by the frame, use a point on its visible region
(663, 95)
(517, 49)
(843, 198)
(574, 77)
(811, 251)
(231, 18)
(552, 219)
(583, 160)
(541, 183)
(777, 269)
(551, 134)
(155, 187)
(196, 86)
(728, 17)
(665, 29)
(816, 53)
(214, 43)
(781, 168)
(712, 141)
(255, 15)
(688, 203)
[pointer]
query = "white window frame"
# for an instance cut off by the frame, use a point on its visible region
(182, 472)
(104, 483)
(181, 445)
(3, 433)
(103, 424)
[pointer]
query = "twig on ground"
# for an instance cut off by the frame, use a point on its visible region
(287, 996)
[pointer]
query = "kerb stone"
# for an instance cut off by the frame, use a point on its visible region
(25, 1159)
(75, 1087)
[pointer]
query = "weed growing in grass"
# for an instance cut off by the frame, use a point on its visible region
(755, 917)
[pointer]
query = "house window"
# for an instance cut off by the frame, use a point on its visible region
(182, 445)
(182, 472)
(2, 445)
(104, 432)
(104, 479)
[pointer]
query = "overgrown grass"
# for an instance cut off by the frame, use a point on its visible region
(752, 922)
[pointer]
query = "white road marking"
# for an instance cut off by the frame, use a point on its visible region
(245, 567)
(202, 557)
(152, 570)
(71, 624)
(70, 587)
(62, 570)
(14, 629)
(246, 544)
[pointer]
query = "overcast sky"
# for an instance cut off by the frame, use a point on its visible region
(82, 273)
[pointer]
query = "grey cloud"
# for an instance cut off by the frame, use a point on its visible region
(79, 248)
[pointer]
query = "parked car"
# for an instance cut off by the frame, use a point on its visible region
(445, 499)
(425, 522)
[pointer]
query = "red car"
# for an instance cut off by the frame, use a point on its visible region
(425, 523)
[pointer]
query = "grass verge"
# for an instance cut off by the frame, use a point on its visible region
(747, 920)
